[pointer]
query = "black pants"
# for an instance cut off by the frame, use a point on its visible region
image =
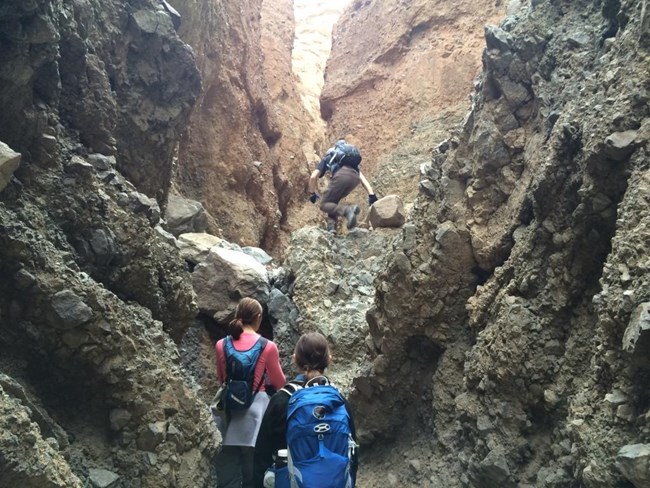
(235, 467)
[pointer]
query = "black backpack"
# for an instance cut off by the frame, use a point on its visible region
(345, 155)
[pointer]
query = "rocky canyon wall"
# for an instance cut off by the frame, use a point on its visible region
(514, 304)
(92, 289)
(396, 64)
(242, 154)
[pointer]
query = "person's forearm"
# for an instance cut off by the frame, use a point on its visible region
(276, 375)
(365, 184)
(313, 182)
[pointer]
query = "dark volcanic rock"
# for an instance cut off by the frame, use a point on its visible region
(94, 95)
(529, 272)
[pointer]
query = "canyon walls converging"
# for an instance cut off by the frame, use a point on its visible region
(311, 50)
(242, 153)
(499, 338)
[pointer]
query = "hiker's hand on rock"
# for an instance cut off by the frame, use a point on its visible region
(313, 198)
(372, 199)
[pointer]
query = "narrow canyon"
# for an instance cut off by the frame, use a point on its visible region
(489, 317)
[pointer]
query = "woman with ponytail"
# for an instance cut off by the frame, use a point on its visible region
(235, 461)
(311, 357)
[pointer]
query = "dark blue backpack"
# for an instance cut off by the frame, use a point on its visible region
(240, 372)
(319, 440)
(344, 154)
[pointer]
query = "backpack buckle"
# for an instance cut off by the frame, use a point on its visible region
(322, 428)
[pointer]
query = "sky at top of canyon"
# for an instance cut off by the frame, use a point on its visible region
(315, 20)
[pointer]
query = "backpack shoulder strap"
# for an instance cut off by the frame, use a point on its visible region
(263, 341)
(227, 351)
(290, 388)
(318, 380)
(227, 343)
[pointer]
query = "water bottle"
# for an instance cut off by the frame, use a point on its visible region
(281, 459)
(280, 462)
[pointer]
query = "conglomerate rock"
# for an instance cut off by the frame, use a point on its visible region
(92, 290)
(9, 162)
(507, 314)
(333, 290)
(29, 460)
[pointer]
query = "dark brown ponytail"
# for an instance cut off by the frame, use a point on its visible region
(247, 310)
(312, 354)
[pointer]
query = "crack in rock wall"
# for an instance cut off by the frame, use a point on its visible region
(243, 155)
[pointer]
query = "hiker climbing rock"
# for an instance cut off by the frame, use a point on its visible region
(310, 420)
(244, 358)
(342, 161)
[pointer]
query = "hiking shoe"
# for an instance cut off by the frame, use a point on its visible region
(351, 213)
(331, 226)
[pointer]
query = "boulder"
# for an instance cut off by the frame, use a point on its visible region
(157, 22)
(102, 162)
(140, 203)
(70, 311)
(636, 339)
(119, 418)
(516, 93)
(195, 246)
(9, 162)
(633, 461)
(596, 476)
(497, 38)
(226, 276)
(492, 470)
(102, 478)
(184, 215)
(387, 212)
(620, 145)
(153, 435)
(260, 255)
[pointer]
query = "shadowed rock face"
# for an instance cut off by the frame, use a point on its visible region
(92, 291)
(117, 74)
(527, 267)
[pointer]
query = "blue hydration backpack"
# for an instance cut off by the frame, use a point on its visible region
(240, 372)
(319, 440)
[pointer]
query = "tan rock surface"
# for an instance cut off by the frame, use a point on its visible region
(249, 113)
(396, 63)
(9, 162)
(315, 20)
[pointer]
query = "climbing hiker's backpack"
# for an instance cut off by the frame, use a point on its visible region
(345, 155)
(240, 373)
(319, 440)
